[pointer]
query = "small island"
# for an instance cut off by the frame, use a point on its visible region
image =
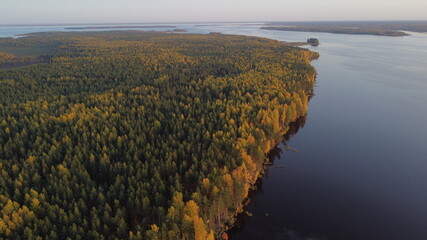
(313, 41)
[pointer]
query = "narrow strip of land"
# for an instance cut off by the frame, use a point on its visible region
(119, 27)
(380, 28)
(339, 30)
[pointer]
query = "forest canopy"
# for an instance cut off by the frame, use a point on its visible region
(139, 135)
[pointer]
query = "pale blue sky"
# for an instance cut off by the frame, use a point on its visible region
(102, 11)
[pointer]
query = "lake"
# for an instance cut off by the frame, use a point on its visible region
(361, 167)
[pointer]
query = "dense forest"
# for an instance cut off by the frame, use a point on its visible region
(139, 135)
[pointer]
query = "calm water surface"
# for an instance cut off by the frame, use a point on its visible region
(361, 168)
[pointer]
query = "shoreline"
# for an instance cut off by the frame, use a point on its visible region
(233, 218)
(295, 44)
(340, 30)
(231, 224)
(298, 44)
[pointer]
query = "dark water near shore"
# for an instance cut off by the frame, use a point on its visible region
(361, 168)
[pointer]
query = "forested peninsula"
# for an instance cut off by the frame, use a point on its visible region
(139, 135)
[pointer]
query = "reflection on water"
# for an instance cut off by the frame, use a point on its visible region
(273, 155)
(360, 170)
(294, 127)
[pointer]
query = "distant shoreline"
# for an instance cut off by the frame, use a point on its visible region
(339, 30)
(117, 27)
(378, 28)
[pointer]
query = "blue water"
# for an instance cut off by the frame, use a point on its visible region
(361, 168)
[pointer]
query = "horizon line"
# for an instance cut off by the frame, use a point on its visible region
(199, 22)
